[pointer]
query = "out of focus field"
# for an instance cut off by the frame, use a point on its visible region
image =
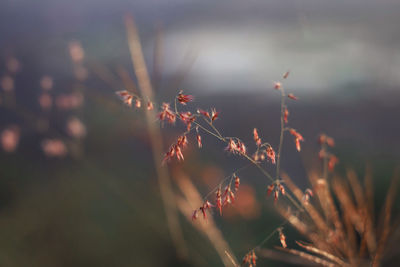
(98, 204)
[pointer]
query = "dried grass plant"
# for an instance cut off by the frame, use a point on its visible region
(335, 215)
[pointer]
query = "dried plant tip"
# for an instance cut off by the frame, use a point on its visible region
(138, 103)
(257, 138)
(241, 147)
(207, 205)
(253, 258)
(227, 196)
(199, 144)
(306, 196)
(204, 113)
(271, 154)
(125, 96)
(286, 75)
(183, 99)
(187, 118)
(214, 114)
(176, 149)
(282, 238)
(333, 160)
(232, 146)
(276, 196)
(298, 138)
(237, 183)
(203, 210)
(166, 114)
(150, 105)
(270, 189)
(277, 85)
(250, 259)
(330, 142)
(292, 96)
(286, 115)
(282, 189)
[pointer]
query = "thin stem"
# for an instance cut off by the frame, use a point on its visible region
(278, 164)
(224, 179)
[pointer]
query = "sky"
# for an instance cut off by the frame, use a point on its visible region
(235, 45)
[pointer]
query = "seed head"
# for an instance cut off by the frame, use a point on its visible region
(286, 115)
(125, 96)
(214, 114)
(183, 99)
(257, 138)
(277, 85)
(237, 183)
(292, 96)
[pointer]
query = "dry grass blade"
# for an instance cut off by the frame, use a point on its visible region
(329, 208)
(309, 257)
(284, 257)
(322, 253)
(386, 217)
(315, 216)
(156, 139)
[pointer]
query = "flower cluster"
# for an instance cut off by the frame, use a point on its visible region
(176, 149)
(282, 238)
(221, 199)
(276, 188)
(250, 259)
(236, 147)
(297, 138)
(166, 114)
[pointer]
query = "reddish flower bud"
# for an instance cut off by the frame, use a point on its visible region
(286, 75)
(253, 258)
(270, 189)
(330, 142)
(271, 154)
(282, 238)
(214, 114)
(277, 85)
(333, 160)
(166, 114)
(199, 141)
(298, 138)
(292, 96)
(282, 189)
(237, 183)
(138, 103)
(257, 138)
(286, 115)
(203, 210)
(150, 105)
(125, 96)
(276, 195)
(183, 99)
(204, 113)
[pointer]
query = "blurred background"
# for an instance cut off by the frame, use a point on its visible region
(77, 180)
